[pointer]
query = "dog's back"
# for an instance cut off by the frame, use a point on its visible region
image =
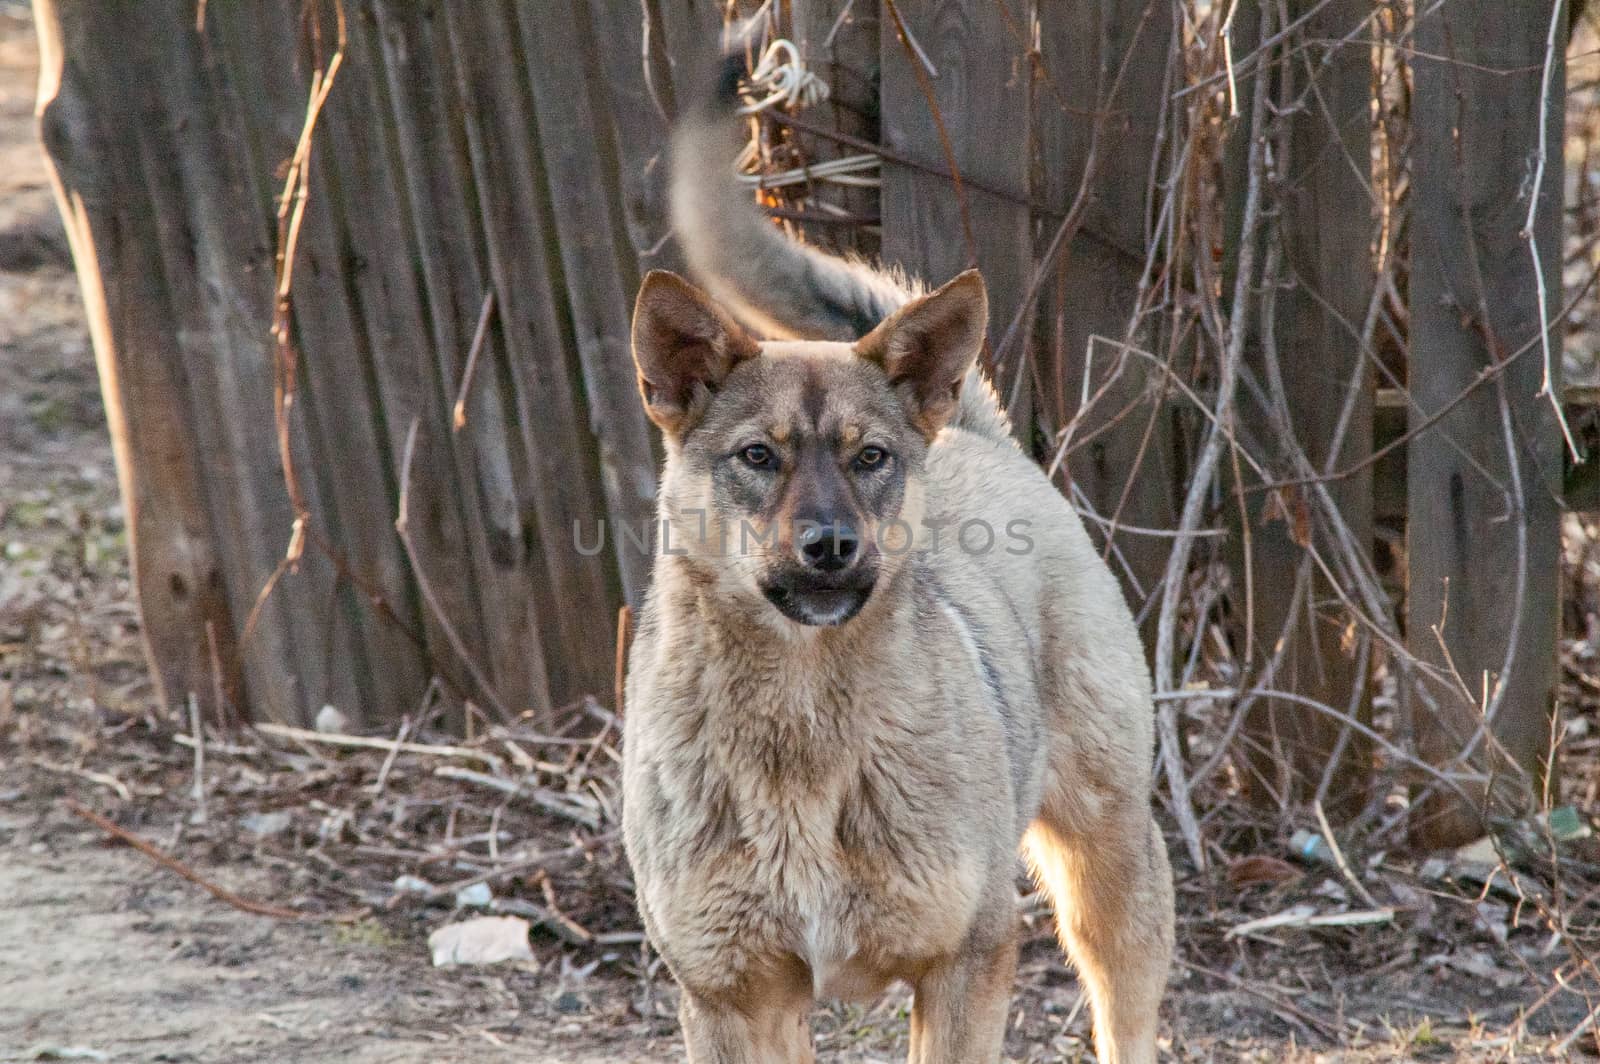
(833, 752)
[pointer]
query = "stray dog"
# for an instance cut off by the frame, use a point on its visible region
(878, 655)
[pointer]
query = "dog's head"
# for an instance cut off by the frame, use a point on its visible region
(794, 469)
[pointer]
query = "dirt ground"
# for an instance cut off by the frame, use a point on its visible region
(106, 956)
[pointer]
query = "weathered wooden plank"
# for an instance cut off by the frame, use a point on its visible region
(981, 93)
(557, 463)
(433, 163)
(636, 104)
(1325, 224)
(1485, 546)
(691, 35)
(158, 212)
(598, 268)
(840, 43)
(168, 527)
(1083, 113)
(390, 346)
(340, 450)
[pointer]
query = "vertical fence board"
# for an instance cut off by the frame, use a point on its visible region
(691, 35)
(638, 123)
(589, 233)
(1126, 469)
(168, 526)
(1477, 110)
(1324, 229)
(454, 279)
(341, 455)
(558, 460)
(981, 92)
(840, 42)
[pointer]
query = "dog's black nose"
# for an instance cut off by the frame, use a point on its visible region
(828, 548)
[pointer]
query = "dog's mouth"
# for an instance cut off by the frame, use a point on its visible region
(819, 603)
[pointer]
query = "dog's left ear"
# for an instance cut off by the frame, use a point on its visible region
(927, 346)
(683, 346)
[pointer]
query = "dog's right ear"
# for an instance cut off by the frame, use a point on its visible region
(684, 345)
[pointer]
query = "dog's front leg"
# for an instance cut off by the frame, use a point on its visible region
(762, 1027)
(959, 1014)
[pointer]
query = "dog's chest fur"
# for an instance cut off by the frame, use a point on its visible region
(800, 812)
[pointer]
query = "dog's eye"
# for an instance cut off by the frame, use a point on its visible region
(871, 457)
(759, 456)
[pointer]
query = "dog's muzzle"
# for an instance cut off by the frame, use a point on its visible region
(820, 600)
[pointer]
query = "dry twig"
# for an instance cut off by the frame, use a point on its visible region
(167, 861)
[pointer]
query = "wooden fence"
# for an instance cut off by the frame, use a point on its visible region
(469, 193)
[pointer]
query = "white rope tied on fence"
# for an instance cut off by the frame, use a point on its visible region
(784, 76)
(845, 171)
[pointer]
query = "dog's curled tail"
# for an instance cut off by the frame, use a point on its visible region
(781, 288)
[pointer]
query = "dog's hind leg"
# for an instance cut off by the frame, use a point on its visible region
(959, 1013)
(766, 1026)
(1112, 891)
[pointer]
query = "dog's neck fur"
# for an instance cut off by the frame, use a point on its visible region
(777, 666)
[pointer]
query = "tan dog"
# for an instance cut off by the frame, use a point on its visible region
(879, 653)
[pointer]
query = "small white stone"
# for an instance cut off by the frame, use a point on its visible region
(330, 721)
(412, 885)
(483, 940)
(477, 896)
(265, 824)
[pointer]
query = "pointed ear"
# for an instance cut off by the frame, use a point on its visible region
(927, 345)
(683, 346)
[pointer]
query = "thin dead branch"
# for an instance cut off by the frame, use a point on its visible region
(223, 894)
